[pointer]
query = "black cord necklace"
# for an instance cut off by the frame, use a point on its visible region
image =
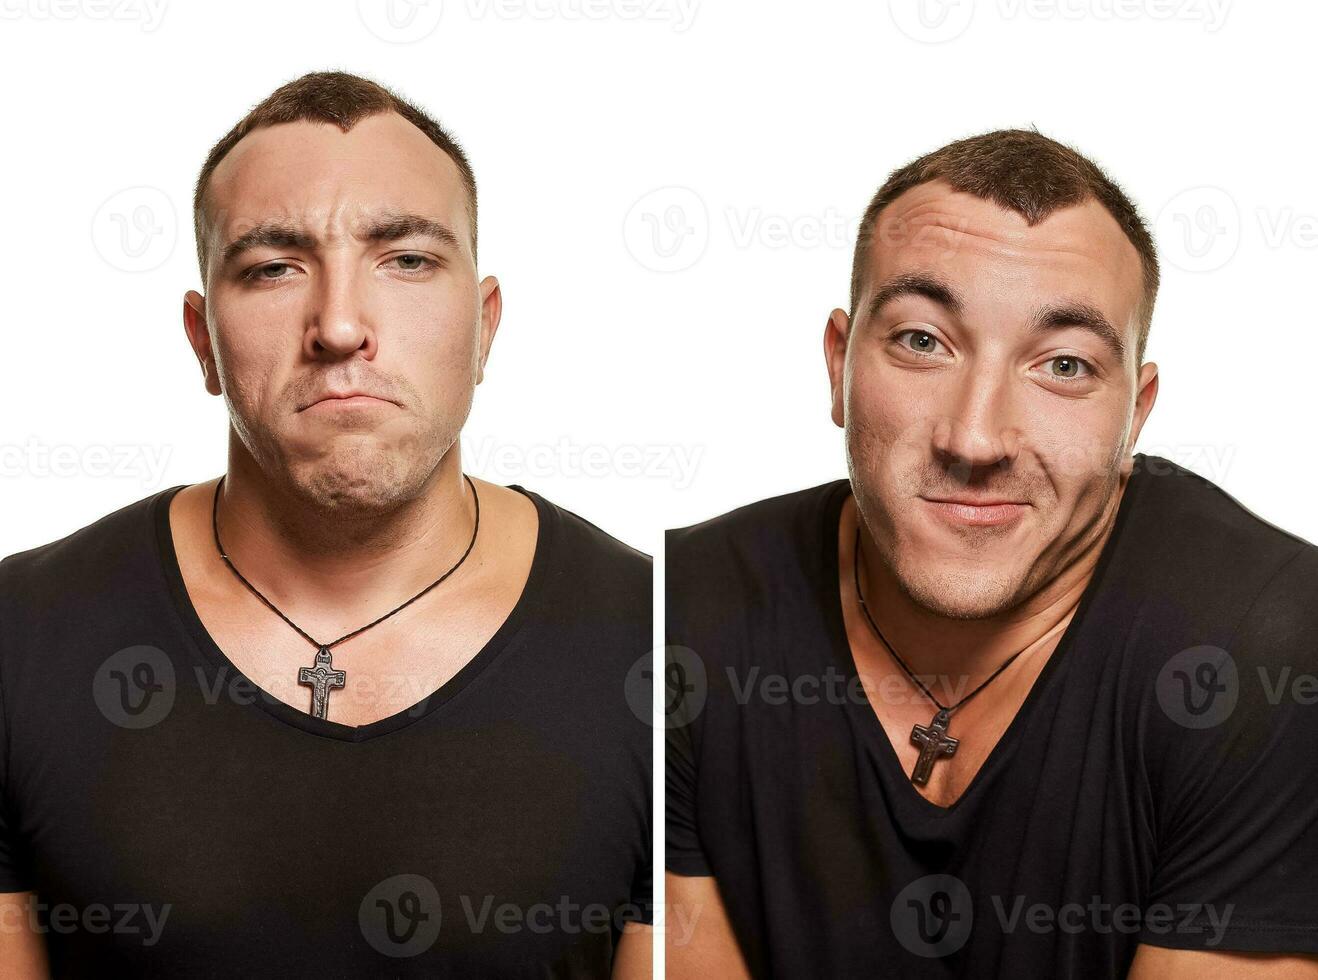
(933, 740)
(321, 677)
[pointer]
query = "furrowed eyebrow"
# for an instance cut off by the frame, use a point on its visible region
(1063, 316)
(391, 227)
(271, 234)
(386, 228)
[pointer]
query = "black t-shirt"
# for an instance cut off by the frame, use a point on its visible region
(175, 822)
(1157, 786)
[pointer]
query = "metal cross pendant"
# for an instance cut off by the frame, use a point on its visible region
(320, 678)
(934, 743)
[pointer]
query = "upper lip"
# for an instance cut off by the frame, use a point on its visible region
(345, 393)
(974, 501)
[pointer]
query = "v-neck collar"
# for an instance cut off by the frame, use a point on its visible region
(531, 597)
(904, 797)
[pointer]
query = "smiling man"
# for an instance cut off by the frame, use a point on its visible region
(344, 710)
(1012, 700)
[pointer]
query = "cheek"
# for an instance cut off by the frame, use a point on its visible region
(248, 364)
(1079, 448)
(885, 412)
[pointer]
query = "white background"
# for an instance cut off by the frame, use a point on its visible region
(648, 385)
(651, 382)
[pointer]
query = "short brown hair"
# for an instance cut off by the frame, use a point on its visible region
(333, 97)
(1028, 173)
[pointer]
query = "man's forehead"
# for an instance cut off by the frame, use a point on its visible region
(315, 174)
(935, 217)
(933, 225)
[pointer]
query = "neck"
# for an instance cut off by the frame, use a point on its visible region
(315, 555)
(932, 644)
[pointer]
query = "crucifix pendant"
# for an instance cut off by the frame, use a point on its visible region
(934, 744)
(320, 678)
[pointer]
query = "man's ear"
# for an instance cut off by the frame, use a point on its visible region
(491, 312)
(194, 324)
(1145, 395)
(837, 332)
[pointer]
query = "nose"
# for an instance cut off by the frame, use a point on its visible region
(339, 324)
(979, 434)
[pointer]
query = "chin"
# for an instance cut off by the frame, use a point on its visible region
(355, 486)
(957, 589)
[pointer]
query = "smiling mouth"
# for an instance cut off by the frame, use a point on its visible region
(977, 515)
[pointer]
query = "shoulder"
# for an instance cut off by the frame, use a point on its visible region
(590, 574)
(1226, 612)
(586, 545)
(775, 527)
(56, 596)
(1191, 560)
(733, 582)
(93, 557)
(1193, 518)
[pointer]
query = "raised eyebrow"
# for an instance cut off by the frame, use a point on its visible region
(1084, 317)
(1061, 316)
(924, 284)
